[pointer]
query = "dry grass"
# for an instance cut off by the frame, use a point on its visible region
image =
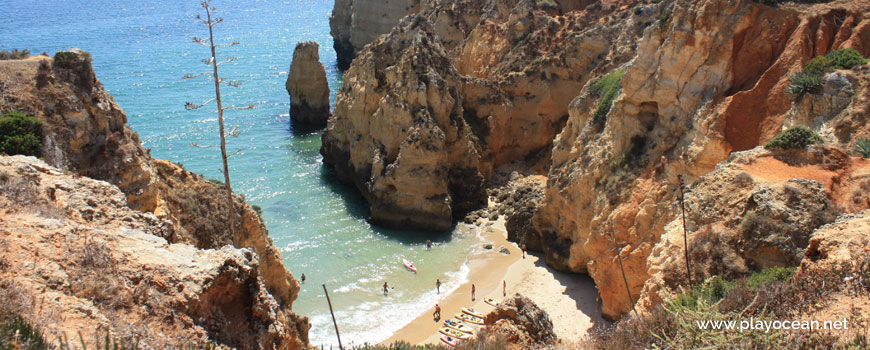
(94, 276)
(767, 295)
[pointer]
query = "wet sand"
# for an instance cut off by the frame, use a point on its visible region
(570, 300)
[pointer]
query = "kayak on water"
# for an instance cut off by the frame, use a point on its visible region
(409, 265)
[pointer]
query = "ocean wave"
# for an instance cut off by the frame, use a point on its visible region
(373, 322)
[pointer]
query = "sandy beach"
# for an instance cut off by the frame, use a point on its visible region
(570, 300)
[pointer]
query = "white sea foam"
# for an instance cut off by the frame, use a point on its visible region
(373, 322)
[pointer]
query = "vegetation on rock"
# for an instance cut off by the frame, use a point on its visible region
(772, 294)
(547, 4)
(75, 66)
(16, 333)
(797, 137)
(862, 146)
(606, 88)
(809, 80)
(845, 58)
(20, 134)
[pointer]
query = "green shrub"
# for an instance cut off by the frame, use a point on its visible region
(803, 83)
(809, 80)
(818, 65)
(16, 333)
(862, 146)
(606, 88)
(547, 4)
(20, 134)
(797, 137)
(845, 58)
(768, 276)
(664, 19)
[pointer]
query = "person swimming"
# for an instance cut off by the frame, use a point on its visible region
(386, 288)
(438, 285)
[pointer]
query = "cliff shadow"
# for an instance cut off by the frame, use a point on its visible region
(358, 208)
(303, 130)
(580, 288)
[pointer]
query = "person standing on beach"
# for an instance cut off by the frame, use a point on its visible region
(472, 291)
(428, 245)
(524, 250)
(437, 314)
(438, 285)
(504, 288)
(386, 288)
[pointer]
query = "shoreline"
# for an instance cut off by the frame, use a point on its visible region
(570, 300)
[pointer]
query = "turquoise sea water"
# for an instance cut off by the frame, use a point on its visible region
(142, 48)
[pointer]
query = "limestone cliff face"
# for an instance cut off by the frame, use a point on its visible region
(97, 265)
(355, 23)
(524, 67)
(85, 132)
(307, 86)
(708, 79)
(397, 132)
(517, 69)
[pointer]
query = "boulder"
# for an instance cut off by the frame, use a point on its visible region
(307, 86)
(521, 322)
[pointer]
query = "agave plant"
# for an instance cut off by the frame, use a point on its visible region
(862, 146)
(803, 83)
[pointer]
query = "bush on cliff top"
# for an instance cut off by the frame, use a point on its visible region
(74, 66)
(20, 134)
(606, 88)
(14, 54)
(797, 137)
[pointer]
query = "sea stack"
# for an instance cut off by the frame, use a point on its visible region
(307, 86)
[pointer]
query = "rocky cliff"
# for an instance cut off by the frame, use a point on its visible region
(307, 86)
(398, 134)
(614, 100)
(708, 79)
(355, 23)
(78, 262)
(85, 132)
(513, 69)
